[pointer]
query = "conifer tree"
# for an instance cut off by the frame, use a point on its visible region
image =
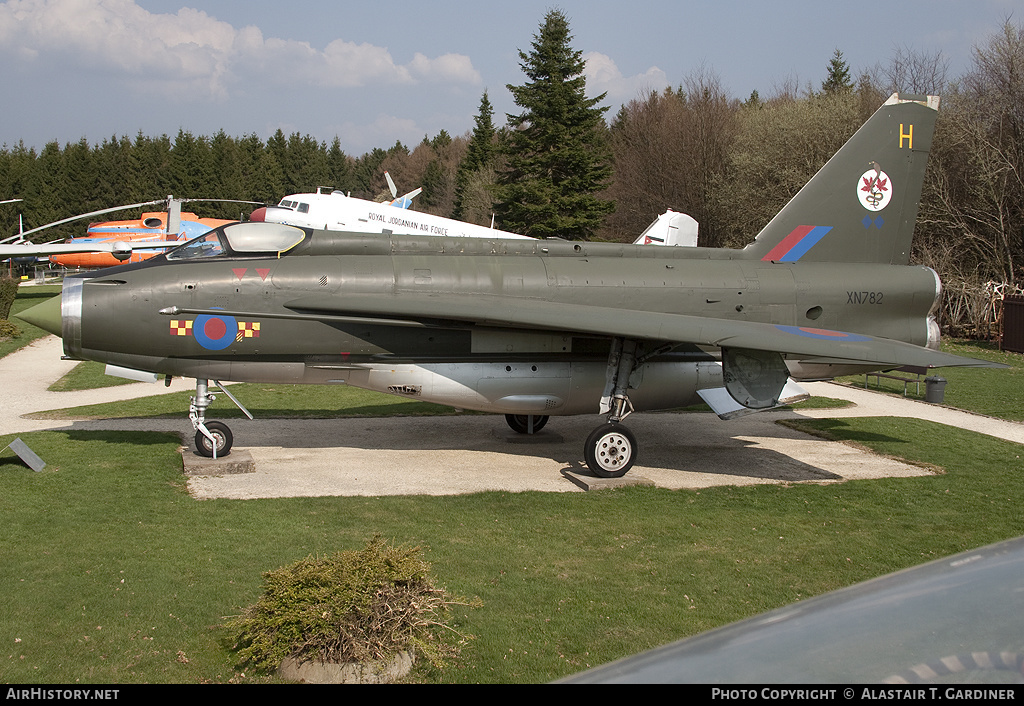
(558, 156)
(480, 153)
(45, 200)
(190, 166)
(150, 165)
(261, 173)
(366, 169)
(339, 167)
(17, 166)
(838, 79)
(112, 178)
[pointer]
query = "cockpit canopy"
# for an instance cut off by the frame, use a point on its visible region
(240, 240)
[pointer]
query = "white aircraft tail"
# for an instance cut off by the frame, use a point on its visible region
(404, 201)
(670, 228)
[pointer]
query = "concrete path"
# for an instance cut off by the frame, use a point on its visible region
(26, 374)
(463, 454)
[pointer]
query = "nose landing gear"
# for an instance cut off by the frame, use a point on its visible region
(213, 439)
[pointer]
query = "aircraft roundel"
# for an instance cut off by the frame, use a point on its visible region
(215, 333)
(874, 189)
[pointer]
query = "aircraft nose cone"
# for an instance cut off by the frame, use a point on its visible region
(46, 316)
(259, 215)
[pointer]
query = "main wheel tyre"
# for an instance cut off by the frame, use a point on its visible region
(220, 432)
(520, 423)
(610, 451)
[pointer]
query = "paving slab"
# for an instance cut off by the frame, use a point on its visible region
(475, 453)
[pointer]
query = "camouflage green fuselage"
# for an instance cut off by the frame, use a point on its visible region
(299, 318)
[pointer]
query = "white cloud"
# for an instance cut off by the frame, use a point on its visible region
(352, 64)
(118, 36)
(604, 76)
(448, 68)
(192, 50)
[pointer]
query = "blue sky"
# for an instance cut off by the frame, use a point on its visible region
(373, 73)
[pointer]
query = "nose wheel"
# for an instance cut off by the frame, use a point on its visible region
(215, 442)
(213, 439)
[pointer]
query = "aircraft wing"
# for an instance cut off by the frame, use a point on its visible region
(806, 344)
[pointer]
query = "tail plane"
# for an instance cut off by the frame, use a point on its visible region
(862, 205)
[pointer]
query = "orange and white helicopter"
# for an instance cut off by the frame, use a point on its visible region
(110, 243)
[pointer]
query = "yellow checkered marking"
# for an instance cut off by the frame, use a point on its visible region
(181, 327)
(248, 329)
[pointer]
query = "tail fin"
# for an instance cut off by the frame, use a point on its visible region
(670, 228)
(404, 201)
(862, 205)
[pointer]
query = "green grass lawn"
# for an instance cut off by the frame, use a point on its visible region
(265, 402)
(89, 375)
(989, 391)
(112, 573)
(27, 297)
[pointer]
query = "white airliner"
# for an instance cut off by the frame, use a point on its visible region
(333, 210)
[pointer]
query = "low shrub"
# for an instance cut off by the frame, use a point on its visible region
(8, 293)
(353, 606)
(8, 330)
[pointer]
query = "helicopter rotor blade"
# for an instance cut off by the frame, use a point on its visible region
(220, 201)
(91, 214)
(166, 202)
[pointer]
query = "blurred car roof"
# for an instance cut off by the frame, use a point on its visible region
(953, 620)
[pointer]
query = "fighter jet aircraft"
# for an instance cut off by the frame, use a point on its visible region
(540, 328)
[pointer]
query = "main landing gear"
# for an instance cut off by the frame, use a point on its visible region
(610, 450)
(213, 439)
